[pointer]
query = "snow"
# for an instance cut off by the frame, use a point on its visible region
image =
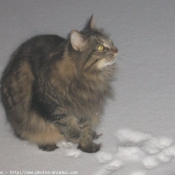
(73, 153)
(138, 126)
(138, 173)
(150, 162)
(103, 157)
(127, 135)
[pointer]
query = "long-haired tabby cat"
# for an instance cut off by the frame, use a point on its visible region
(55, 88)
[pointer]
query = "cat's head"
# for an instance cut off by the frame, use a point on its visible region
(92, 48)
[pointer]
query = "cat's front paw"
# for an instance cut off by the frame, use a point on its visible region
(74, 134)
(96, 136)
(90, 148)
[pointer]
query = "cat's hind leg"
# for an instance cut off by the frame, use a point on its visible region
(42, 133)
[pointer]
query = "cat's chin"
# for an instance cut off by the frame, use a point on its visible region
(111, 62)
(104, 64)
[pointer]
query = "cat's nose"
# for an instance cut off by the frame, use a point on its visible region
(115, 49)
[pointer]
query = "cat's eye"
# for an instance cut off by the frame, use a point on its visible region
(101, 48)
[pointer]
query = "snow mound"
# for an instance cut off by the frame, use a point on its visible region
(127, 136)
(136, 147)
(132, 147)
(73, 153)
(150, 162)
(103, 157)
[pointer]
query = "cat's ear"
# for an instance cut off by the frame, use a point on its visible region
(78, 41)
(91, 23)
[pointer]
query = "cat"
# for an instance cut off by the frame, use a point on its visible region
(54, 89)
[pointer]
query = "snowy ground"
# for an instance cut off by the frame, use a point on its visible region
(139, 126)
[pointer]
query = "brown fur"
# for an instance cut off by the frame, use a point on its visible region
(55, 89)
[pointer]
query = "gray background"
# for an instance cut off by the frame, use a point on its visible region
(144, 32)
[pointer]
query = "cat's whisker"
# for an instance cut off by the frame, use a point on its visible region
(120, 56)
